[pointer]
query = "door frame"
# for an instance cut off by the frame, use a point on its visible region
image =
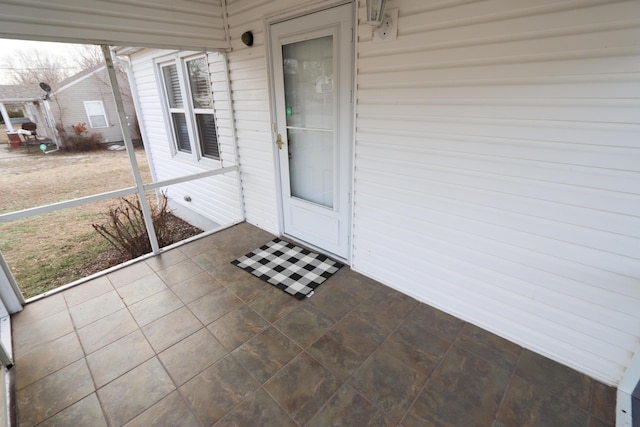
(282, 17)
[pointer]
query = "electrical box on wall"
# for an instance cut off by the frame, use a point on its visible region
(388, 29)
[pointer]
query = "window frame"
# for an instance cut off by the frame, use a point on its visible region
(190, 112)
(104, 114)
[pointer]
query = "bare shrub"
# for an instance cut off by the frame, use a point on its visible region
(81, 139)
(125, 228)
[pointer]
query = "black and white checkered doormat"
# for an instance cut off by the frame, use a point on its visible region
(293, 269)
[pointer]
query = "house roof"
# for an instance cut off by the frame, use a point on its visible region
(20, 93)
(70, 81)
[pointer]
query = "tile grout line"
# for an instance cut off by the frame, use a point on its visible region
(139, 328)
(506, 389)
(377, 347)
(157, 354)
(304, 350)
(83, 358)
(590, 404)
(419, 392)
(429, 377)
(228, 353)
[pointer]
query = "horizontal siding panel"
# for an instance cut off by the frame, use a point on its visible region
(443, 48)
(621, 135)
(605, 179)
(482, 222)
(252, 83)
(623, 225)
(578, 154)
(624, 205)
(544, 16)
(252, 116)
(497, 147)
(450, 90)
(623, 111)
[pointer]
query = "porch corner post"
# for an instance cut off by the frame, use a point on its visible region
(117, 96)
(5, 116)
(234, 138)
(624, 401)
(52, 122)
(10, 295)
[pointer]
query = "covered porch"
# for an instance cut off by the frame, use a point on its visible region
(186, 338)
(492, 174)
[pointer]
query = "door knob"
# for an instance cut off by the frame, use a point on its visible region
(279, 142)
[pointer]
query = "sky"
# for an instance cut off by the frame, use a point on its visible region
(9, 47)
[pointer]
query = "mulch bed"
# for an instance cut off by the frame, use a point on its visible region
(180, 230)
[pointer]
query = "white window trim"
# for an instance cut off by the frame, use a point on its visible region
(104, 114)
(180, 59)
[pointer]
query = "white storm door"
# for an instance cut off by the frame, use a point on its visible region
(312, 60)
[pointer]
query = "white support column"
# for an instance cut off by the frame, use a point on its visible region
(146, 209)
(11, 301)
(5, 116)
(51, 122)
(10, 296)
(234, 138)
(626, 387)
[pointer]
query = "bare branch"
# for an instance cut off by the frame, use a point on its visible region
(88, 56)
(34, 66)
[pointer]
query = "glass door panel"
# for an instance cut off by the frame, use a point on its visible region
(311, 165)
(310, 114)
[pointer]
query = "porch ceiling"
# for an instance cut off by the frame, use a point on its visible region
(179, 24)
(20, 93)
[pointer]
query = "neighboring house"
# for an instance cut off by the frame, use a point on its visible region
(29, 99)
(484, 160)
(86, 97)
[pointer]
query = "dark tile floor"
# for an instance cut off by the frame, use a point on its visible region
(187, 339)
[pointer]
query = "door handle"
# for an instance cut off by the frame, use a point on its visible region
(279, 142)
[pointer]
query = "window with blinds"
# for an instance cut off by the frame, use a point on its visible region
(190, 104)
(181, 131)
(199, 83)
(208, 135)
(172, 84)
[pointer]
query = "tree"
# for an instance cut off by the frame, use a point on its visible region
(88, 55)
(34, 66)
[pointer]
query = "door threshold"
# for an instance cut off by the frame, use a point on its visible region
(316, 248)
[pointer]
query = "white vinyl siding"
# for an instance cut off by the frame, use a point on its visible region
(497, 170)
(251, 105)
(215, 198)
(96, 115)
(179, 24)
